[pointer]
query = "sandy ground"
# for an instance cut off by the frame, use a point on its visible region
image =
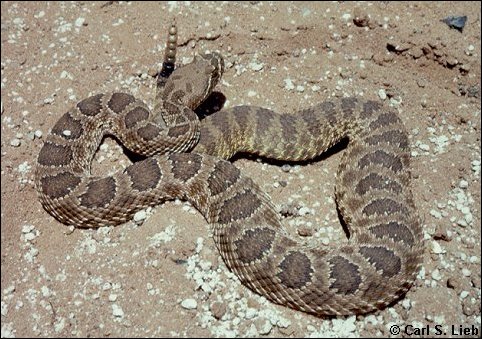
(165, 277)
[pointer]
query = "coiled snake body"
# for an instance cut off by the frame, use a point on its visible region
(374, 268)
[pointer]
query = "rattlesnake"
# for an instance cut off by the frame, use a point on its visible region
(373, 269)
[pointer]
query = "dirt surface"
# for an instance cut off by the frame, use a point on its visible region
(165, 277)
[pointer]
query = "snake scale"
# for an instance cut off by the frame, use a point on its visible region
(184, 159)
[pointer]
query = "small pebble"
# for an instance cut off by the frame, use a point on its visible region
(436, 248)
(346, 16)
(435, 214)
(406, 303)
(27, 228)
(117, 311)
(382, 94)
(263, 325)
(289, 84)
(469, 308)
(256, 66)
(8, 290)
(361, 19)
(300, 88)
(218, 309)
(304, 211)
(189, 304)
(436, 274)
(424, 147)
(29, 236)
(15, 142)
(139, 216)
(305, 231)
(286, 168)
(251, 313)
(79, 22)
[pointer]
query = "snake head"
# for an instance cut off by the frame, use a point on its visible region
(217, 62)
(191, 84)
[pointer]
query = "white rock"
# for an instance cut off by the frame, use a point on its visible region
(45, 291)
(436, 248)
(436, 274)
(283, 322)
(382, 94)
(199, 244)
(251, 313)
(407, 304)
(30, 236)
(189, 304)
(24, 168)
(15, 142)
(139, 216)
(117, 311)
(27, 228)
(9, 290)
(265, 328)
(463, 184)
(256, 66)
(289, 84)
(344, 327)
(435, 214)
(424, 147)
(473, 259)
(300, 88)
(346, 16)
(476, 166)
(79, 22)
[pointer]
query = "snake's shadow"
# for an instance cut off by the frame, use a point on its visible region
(214, 103)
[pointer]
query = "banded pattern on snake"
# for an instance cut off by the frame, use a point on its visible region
(373, 269)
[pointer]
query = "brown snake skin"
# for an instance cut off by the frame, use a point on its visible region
(373, 269)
